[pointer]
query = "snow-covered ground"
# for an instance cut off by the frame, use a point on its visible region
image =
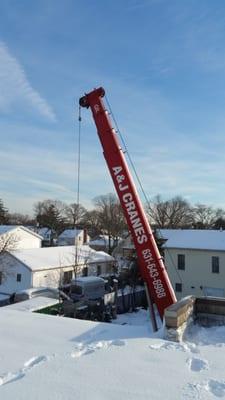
(54, 358)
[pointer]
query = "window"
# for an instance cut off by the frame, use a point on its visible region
(1, 277)
(67, 276)
(76, 289)
(178, 287)
(18, 277)
(99, 270)
(215, 265)
(181, 261)
(85, 271)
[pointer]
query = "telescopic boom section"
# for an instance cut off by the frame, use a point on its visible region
(149, 260)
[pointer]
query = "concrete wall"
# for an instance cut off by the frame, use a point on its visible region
(197, 273)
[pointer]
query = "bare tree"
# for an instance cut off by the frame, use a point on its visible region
(4, 215)
(8, 242)
(206, 217)
(91, 221)
(110, 216)
(219, 223)
(173, 213)
(51, 214)
(21, 219)
(75, 214)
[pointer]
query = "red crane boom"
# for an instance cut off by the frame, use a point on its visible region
(149, 259)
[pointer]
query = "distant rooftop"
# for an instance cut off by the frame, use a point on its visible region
(4, 229)
(100, 240)
(7, 228)
(193, 239)
(70, 233)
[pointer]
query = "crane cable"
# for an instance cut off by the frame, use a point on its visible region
(137, 176)
(78, 178)
(78, 160)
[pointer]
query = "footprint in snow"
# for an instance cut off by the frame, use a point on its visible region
(118, 342)
(167, 346)
(197, 391)
(34, 361)
(192, 391)
(217, 388)
(185, 347)
(82, 350)
(197, 364)
(191, 347)
(10, 377)
(104, 344)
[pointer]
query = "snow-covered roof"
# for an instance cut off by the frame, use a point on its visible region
(36, 303)
(70, 233)
(101, 240)
(50, 357)
(88, 279)
(5, 229)
(57, 257)
(193, 239)
(4, 297)
(44, 231)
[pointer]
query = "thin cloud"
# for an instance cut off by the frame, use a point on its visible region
(137, 4)
(15, 87)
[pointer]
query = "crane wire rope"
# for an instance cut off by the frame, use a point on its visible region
(78, 181)
(78, 159)
(137, 177)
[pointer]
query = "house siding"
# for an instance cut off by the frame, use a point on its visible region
(78, 239)
(46, 267)
(21, 239)
(27, 240)
(11, 267)
(51, 277)
(197, 275)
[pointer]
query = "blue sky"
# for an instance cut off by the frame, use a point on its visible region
(162, 63)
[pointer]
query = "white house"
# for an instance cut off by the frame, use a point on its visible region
(125, 248)
(102, 242)
(195, 261)
(47, 235)
(18, 237)
(50, 266)
(70, 237)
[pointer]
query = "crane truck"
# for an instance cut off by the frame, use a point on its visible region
(150, 262)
